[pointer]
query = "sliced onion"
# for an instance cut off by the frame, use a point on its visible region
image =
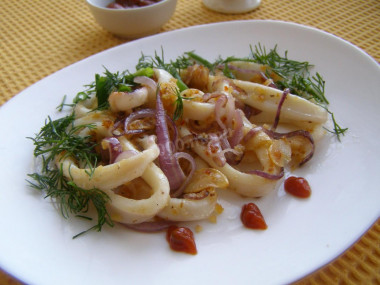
(282, 100)
(168, 163)
(250, 71)
(276, 135)
(266, 174)
(208, 96)
(230, 110)
(146, 81)
(215, 148)
(188, 157)
(150, 227)
(144, 113)
(251, 133)
(219, 104)
(301, 133)
(237, 134)
(248, 111)
(114, 148)
(266, 79)
(125, 155)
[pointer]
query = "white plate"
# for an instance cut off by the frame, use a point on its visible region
(36, 244)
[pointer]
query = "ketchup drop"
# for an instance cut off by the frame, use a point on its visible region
(297, 186)
(181, 239)
(252, 218)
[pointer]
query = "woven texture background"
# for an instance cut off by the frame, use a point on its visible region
(38, 38)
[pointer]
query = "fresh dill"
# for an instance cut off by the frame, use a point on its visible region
(179, 105)
(60, 137)
(173, 67)
(110, 82)
(337, 129)
(72, 199)
(106, 84)
(295, 75)
(281, 65)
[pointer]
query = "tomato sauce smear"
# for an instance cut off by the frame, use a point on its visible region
(297, 186)
(181, 239)
(252, 218)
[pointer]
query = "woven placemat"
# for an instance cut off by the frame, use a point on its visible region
(38, 38)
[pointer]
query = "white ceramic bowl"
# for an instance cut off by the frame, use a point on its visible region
(232, 6)
(132, 22)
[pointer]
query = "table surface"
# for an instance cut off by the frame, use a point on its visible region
(38, 38)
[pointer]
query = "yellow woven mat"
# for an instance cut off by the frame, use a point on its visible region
(38, 38)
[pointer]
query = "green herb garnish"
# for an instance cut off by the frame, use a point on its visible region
(179, 105)
(72, 199)
(295, 75)
(60, 137)
(111, 82)
(173, 67)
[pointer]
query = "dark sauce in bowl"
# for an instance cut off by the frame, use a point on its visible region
(125, 4)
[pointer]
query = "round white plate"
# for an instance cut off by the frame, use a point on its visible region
(36, 243)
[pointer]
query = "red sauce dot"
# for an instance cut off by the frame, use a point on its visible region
(252, 218)
(181, 239)
(297, 186)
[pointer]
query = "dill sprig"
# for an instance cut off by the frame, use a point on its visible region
(110, 82)
(60, 137)
(281, 65)
(306, 87)
(337, 129)
(295, 75)
(173, 67)
(179, 105)
(72, 199)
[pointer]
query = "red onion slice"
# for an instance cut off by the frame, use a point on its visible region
(282, 100)
(114, 148)
(168, 163)
(249, 71)
(188, 157)
(271, 84)
(247, 110)
(219, 104)
(125, 155)
(266, 174)
(276, 135)
(146, 81)
(214, 148)
(251, 133)
(238, 133)
(144, 113)
(301, 133)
